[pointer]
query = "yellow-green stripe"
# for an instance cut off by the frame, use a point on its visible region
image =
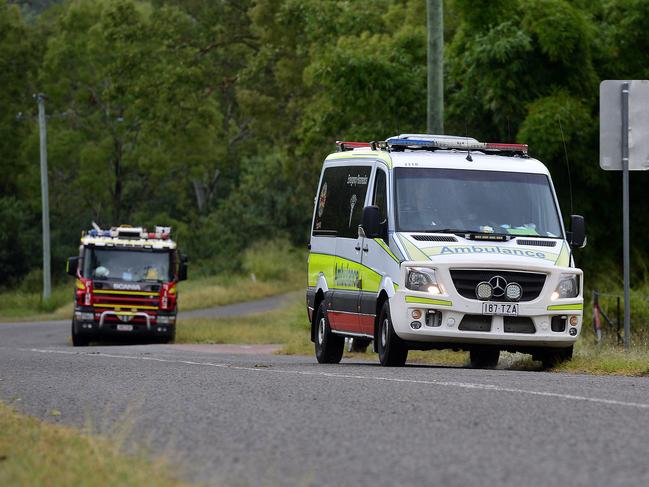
(566, 307)
(437, 302)
(387, 249)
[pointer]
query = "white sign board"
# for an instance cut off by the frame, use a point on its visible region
(610, 125)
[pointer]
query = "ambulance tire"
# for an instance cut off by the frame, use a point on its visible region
(78, 340)
(393, 352)
(484, 358)
(329, 347)
(553, 357)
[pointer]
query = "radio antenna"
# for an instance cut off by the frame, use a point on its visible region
(565, 152)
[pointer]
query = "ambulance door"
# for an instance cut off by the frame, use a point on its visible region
(344, 313)
(377, 259)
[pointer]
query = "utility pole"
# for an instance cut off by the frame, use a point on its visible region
(42, 125)
(435, 58)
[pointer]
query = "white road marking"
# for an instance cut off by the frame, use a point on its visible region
(462, 385)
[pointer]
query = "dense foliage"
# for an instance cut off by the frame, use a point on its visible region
(214, 116)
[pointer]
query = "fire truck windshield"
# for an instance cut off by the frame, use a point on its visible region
(127, 265)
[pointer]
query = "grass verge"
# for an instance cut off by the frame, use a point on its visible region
(269, 268)
(34, 452)
(289, 327)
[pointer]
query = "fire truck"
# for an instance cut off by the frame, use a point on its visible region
(126, 284)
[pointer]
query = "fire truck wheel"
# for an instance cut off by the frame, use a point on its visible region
(328, 346)
(78, 340)
(393, 352)
(171, 338)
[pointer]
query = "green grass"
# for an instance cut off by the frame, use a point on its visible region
(35, 452)
(289, 327)
(269, 268)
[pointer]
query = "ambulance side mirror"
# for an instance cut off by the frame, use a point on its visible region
(371, 221)
(72, 265)
(182, 268)
(577, 237)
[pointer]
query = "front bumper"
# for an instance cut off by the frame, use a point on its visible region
(135, 325)
(450, 314)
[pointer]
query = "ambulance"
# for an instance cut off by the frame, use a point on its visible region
(425, 242)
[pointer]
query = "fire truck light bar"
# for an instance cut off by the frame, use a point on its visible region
(161, 233)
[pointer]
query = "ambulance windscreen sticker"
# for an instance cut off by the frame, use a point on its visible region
(352, 203)
(323, 200)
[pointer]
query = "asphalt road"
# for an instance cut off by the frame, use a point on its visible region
(231, 419)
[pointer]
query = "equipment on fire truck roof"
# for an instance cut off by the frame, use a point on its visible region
(128, 232)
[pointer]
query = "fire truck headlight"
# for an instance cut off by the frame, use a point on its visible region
(80, 316)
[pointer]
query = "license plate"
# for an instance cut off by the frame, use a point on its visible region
(500, 309)
(124, 327)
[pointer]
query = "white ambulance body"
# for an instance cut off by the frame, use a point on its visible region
(430, 242)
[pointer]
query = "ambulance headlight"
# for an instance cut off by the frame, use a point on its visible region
(423, 279)
(568, 287)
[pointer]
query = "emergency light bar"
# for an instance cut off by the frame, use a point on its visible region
(437, 142)
(126, 232)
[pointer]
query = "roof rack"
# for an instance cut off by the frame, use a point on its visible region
(129, 232)
(343, 146)
(437, 142)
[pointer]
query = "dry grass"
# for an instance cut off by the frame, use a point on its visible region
(220, 290)
(34, 452)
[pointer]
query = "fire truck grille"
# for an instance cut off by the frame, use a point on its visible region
(126, 301)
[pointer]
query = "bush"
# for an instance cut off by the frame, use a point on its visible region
(273, 260)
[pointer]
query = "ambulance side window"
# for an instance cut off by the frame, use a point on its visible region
(329, 213)
(356, 183)
(380, 199)
(339, 206)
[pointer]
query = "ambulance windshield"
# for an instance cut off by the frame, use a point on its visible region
(456, 200)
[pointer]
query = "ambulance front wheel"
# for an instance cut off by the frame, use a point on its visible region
(329, 347)
(393, 352)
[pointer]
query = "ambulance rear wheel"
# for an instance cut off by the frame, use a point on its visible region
(78, 340)
(484, 359)
(393, 352)
(329, 347)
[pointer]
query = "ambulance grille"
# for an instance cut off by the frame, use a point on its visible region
(475, 323)
(518, 324)
(465, 281)
(537, 243)
(435, 238)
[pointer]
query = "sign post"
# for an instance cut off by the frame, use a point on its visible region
(625, 215)
(623, 146)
